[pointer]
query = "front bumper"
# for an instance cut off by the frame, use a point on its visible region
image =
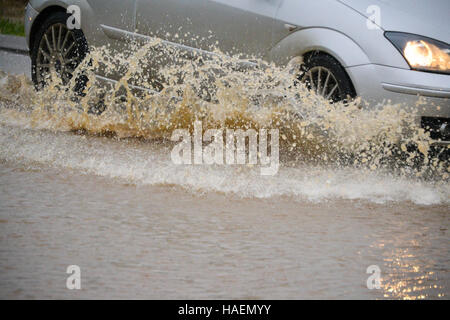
(30, 16)
(378, 85)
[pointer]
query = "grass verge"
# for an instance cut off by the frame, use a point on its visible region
(11, 17)
(11, 27)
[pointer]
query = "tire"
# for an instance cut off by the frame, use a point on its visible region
(58, 48)
(318, 66)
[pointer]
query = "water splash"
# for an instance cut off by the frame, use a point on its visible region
(341, 141)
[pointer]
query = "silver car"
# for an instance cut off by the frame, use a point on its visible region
(390, 50)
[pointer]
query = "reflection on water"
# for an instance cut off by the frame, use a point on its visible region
(411, 281)
(415, 260)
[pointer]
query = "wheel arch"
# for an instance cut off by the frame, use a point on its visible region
(333, 43)
(330, 41)
(42, 16)
(309, 54)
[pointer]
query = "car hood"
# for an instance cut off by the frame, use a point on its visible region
(429, 18)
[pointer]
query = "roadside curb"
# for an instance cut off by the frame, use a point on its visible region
(13, 44)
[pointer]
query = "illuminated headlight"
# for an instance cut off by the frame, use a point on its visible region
(422, 53)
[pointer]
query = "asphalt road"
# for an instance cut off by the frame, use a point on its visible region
(14, 63)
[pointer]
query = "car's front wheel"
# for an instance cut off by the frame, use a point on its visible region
(326, 77)
(57, 49)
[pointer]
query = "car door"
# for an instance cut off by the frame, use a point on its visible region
(233, 26)
(116, 18)
(116, 15)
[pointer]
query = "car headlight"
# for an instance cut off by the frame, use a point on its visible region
(422, 53)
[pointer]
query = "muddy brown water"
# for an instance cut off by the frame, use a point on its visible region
(139, 226)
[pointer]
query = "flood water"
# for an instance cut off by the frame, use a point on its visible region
(139, 226)
(158, 240)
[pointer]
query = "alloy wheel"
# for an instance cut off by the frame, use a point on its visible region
(57, 53)
(322, 81)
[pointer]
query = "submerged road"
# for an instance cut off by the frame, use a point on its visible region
(137, 226)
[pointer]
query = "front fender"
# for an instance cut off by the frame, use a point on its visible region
(338, 45)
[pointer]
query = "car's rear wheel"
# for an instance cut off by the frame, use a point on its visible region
(58, 49)
(326, 77)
